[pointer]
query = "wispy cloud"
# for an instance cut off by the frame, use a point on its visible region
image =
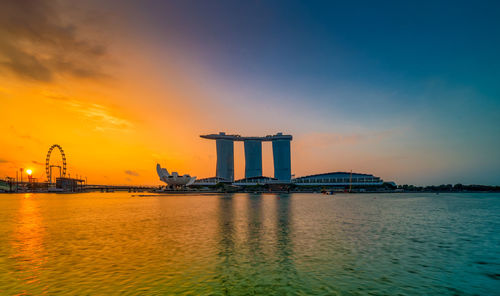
(38, 163)
(22, 135)
(103, 117)
(36, 43)
(132, 173)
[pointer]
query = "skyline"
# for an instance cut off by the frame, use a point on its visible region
(405, 92)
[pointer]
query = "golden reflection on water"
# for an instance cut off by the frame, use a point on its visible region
(27, 242)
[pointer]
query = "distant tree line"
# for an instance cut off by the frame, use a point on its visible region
(450, 188)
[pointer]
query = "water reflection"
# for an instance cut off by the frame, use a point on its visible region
(226, 263)
(27, 242)
(255, 225)
(255, 248)
(284, 242)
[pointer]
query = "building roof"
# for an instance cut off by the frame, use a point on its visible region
(336, 174)
(222, 135)
(211, 180)
(255, 179)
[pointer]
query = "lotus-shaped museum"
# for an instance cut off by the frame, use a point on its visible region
(174, 179)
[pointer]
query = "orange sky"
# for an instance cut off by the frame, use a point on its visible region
(105, 127)
(114, 130)
(113, 135)
(115, 123)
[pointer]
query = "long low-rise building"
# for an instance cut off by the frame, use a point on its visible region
(210, 181)
(338, 179)
(326, 179)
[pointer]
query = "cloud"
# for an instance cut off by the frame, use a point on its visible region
(23, 136)
(38, 163)
(103, 117)
(3, 160)
(36, 43)
(132, 173)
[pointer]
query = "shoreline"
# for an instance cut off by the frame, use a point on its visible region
(186, 192)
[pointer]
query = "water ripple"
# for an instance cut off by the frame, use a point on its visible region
(250, 244)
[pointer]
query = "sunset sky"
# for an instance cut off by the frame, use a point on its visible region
(407, 92)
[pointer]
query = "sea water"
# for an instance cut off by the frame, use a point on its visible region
(250, 244)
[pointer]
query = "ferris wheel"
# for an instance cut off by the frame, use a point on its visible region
(48, 166)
